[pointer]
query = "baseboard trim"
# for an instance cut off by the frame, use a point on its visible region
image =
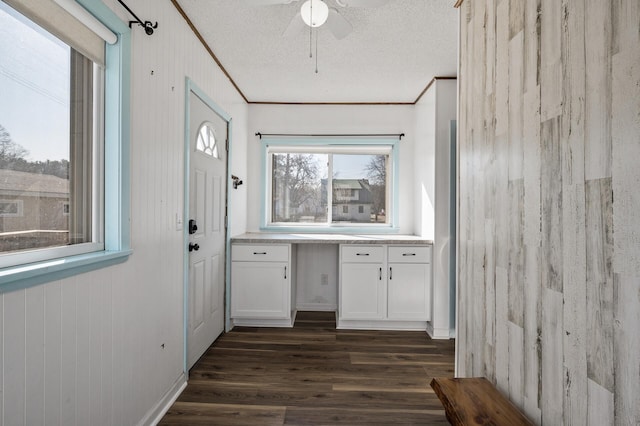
(154, 416)
(247, 322)
(438, 333)
(380, 325)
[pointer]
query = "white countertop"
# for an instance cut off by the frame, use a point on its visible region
(313, 238)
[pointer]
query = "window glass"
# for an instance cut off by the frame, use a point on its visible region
(359, 180)
(298, 190)
(46, 138)
(207, 142)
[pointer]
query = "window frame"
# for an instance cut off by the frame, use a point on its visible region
(115, 179)
(19, 207)
(360, 144)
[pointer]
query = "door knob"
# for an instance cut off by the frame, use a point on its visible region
(193, 247)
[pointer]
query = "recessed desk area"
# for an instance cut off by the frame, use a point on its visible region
(370, 281)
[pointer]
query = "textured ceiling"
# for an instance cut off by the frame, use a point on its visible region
(393, 52)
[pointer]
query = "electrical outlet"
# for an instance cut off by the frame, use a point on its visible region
(324, 279)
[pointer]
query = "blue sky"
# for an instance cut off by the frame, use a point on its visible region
(34, 87)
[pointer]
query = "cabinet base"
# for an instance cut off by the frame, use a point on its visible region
(381, 325)
(264, 322)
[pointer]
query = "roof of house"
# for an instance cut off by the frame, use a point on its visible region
(14, 183)
(351, 184)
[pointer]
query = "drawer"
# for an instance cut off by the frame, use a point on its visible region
(260, 253)
(409, 254)
(362, 254)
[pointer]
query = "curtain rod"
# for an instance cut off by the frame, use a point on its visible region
(397, 135)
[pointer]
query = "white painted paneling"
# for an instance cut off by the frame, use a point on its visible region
(14, 366)
(87, 350)
(34, 354)
(53, 353)
(2, 312)
(314, 261)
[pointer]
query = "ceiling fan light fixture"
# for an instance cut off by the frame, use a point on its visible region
(316, 16)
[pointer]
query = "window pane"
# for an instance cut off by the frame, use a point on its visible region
(299, 192)
(359, 188)
(46, 130)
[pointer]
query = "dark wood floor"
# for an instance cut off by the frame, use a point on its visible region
(313, 374)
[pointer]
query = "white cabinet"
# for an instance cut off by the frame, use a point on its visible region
(261, 283)
(407, 284)
(362, 291)
(384, 286)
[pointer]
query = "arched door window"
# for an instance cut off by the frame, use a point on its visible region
(207, 142)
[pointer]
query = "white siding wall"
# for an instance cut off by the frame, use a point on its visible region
(87, 350)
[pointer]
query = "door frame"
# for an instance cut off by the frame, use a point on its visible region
(191, 88)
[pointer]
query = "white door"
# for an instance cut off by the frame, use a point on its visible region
(206, 227)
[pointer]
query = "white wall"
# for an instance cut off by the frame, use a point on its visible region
(434, 113)
(341, 119)
(87, 350)
(425, 164)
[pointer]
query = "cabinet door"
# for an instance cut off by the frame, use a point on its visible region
(260, 290)
(362, 291)
(408, 291)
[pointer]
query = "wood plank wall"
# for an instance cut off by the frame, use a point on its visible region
(549, 258)
(103, 348)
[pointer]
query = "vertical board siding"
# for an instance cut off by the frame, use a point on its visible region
(552, 152)
(88, 350)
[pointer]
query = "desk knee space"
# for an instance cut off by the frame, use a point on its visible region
(475, 401)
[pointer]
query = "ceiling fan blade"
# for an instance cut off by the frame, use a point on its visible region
(267, 2)
(296, 25)
(339, 27)
(362, 3)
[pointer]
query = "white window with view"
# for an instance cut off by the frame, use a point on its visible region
(50, 138)
(329, 186)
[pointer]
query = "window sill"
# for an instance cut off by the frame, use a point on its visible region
(23, 276)
(331, 229)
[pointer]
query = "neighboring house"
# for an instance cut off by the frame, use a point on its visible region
(33, 207)
(352, 200)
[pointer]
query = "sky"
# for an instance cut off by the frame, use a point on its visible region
(351, 166)
(34, 87)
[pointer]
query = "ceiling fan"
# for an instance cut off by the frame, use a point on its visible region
(316, 13)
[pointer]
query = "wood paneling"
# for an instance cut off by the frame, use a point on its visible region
(315, 374)
(554, 148)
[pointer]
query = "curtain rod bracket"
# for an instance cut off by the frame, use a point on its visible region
(147, 25)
